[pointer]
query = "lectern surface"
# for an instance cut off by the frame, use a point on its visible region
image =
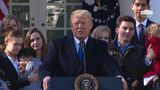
(67, 83)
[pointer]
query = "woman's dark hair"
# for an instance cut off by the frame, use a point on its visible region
(26, 52)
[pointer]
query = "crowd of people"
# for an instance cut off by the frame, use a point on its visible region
(26, 63)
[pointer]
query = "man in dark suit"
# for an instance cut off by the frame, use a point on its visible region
(137, 6)
(62, 57)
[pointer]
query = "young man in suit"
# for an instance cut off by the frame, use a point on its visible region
(62, 57)
(9, 61)
(137, 7)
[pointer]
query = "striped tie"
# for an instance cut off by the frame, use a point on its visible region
(141, 33)
(80, 51)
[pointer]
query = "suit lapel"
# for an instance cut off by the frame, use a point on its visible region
(90, 51)
(11, 72)
(73, 63)
(135, 37)
(72, 57)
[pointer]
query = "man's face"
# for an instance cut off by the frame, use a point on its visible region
(81, 26)
(14, 45)
(125, 31)
(138, 6)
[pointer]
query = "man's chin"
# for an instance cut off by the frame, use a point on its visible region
(80, 37)
(139, 16)
(127, 40)
(15, 54)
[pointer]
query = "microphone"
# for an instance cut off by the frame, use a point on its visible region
(82, 46)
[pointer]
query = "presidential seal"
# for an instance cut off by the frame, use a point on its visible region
(86, 82)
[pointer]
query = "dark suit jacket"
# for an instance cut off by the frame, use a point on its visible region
(62, 59)
(11, 74)
(135, 37)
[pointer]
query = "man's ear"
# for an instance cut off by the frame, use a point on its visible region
(131, 6)
(116, 30)
(5, 41)
(91, 26)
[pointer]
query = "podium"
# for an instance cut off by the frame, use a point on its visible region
(67, 83)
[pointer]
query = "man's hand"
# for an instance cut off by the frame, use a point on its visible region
(21, 66)
(125, 85)
(45, 82)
